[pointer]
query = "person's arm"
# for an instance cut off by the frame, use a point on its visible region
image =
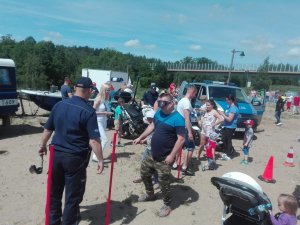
(228, 118)
(178, 145)
(43, 144)
(213, 151)
(97, 149)
(155, 106)
(219, 120)
(70, 94)
(145, 134)
(186, 114)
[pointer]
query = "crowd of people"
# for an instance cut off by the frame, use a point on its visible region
(79, 128)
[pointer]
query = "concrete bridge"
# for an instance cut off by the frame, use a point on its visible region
(273, 70)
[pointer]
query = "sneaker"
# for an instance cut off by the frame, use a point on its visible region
(244, 162)
(120, 145)
(225, 157)
(164, 211)
(156, 186)
(147, 198)
(187, 172)
(137, 180)
(278, 124)
(174, 167)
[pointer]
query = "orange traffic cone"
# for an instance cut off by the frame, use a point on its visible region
(268, 173)
(290, 158)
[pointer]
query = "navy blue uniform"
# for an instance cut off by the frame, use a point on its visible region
(167, 127)
(74, 122)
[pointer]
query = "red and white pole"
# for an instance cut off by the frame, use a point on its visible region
(110, 179)
(179, 164)
(49, 182)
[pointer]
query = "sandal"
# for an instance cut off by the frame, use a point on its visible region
(164, 211)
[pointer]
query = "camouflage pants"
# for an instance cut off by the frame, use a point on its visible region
(148, 167)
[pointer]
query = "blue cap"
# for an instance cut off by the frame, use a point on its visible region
(84, 82)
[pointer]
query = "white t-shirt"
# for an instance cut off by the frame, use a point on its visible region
(184, 103)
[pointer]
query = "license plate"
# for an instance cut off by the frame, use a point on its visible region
(240, 129)
(6, 102)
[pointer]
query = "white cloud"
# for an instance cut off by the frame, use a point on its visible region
(152, 46)
(258, 44)
(295, 52)
(53, 36)
(132, 43)
(295, 41)
(195, 47)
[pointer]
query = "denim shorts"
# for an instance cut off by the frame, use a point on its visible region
(188, 145)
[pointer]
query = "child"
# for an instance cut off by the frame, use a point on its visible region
(247, 140)
(210, 152)
(287, 205)
(119, 120)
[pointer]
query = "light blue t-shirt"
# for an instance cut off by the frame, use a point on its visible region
(233, 124)
(118, 111)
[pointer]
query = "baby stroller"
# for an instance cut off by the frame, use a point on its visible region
(243, 200)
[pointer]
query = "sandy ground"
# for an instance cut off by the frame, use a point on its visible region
(196, 201)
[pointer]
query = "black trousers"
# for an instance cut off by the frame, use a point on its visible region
(227, 140)
(69, 173)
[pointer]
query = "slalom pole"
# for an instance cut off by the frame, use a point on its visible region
(110, 179)
(179, 164)
(49, 182)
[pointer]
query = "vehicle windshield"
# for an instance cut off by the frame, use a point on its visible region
(220, 93)
(5, 79)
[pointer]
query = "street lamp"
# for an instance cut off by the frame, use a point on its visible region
(231, 64)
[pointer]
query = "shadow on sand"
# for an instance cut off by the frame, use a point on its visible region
(18, 130)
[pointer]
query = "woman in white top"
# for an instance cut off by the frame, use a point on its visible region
(101, 105)
(210, 119)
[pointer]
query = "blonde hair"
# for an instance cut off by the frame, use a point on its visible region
(289, 202)
(102, 94)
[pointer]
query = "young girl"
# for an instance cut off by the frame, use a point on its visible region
(210, 152)
(287, 205)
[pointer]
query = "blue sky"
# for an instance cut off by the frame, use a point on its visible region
(166, 29)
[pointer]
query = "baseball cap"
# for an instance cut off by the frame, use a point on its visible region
(150, 114)
(250, 122)
(84, 82)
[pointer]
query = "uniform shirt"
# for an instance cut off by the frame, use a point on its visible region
(74, 122)
(167, 127)
(233, 124)
(65, 90)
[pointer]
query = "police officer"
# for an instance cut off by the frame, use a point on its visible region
(75, 125)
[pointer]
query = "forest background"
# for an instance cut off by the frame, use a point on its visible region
(42, 64)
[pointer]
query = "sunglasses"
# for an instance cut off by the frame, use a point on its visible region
(162, 103)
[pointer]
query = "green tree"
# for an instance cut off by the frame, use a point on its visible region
(261, 80)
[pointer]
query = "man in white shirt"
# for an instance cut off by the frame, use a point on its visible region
(184, 107)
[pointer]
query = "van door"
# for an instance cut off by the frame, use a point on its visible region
(259, 104)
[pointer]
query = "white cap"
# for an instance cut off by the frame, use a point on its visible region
(150, 113)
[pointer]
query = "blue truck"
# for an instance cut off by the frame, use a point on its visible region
(218, 92)
(8, 90)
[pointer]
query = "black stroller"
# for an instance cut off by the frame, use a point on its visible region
(240, 193)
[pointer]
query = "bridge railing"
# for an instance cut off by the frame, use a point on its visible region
(236, 67)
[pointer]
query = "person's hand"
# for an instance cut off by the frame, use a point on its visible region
(169, 160)
(100, 167)
(191, 137)
(109, 113)
(137, 141)
(42, 150)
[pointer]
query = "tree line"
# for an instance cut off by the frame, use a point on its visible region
(42, 64)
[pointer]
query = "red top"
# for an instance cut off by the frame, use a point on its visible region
(296, 100)
(209, 149)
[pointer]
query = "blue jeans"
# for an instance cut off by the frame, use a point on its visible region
(277, 116)
(246, 150)
(69, 173)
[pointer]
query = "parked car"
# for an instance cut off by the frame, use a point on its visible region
(218, 92)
